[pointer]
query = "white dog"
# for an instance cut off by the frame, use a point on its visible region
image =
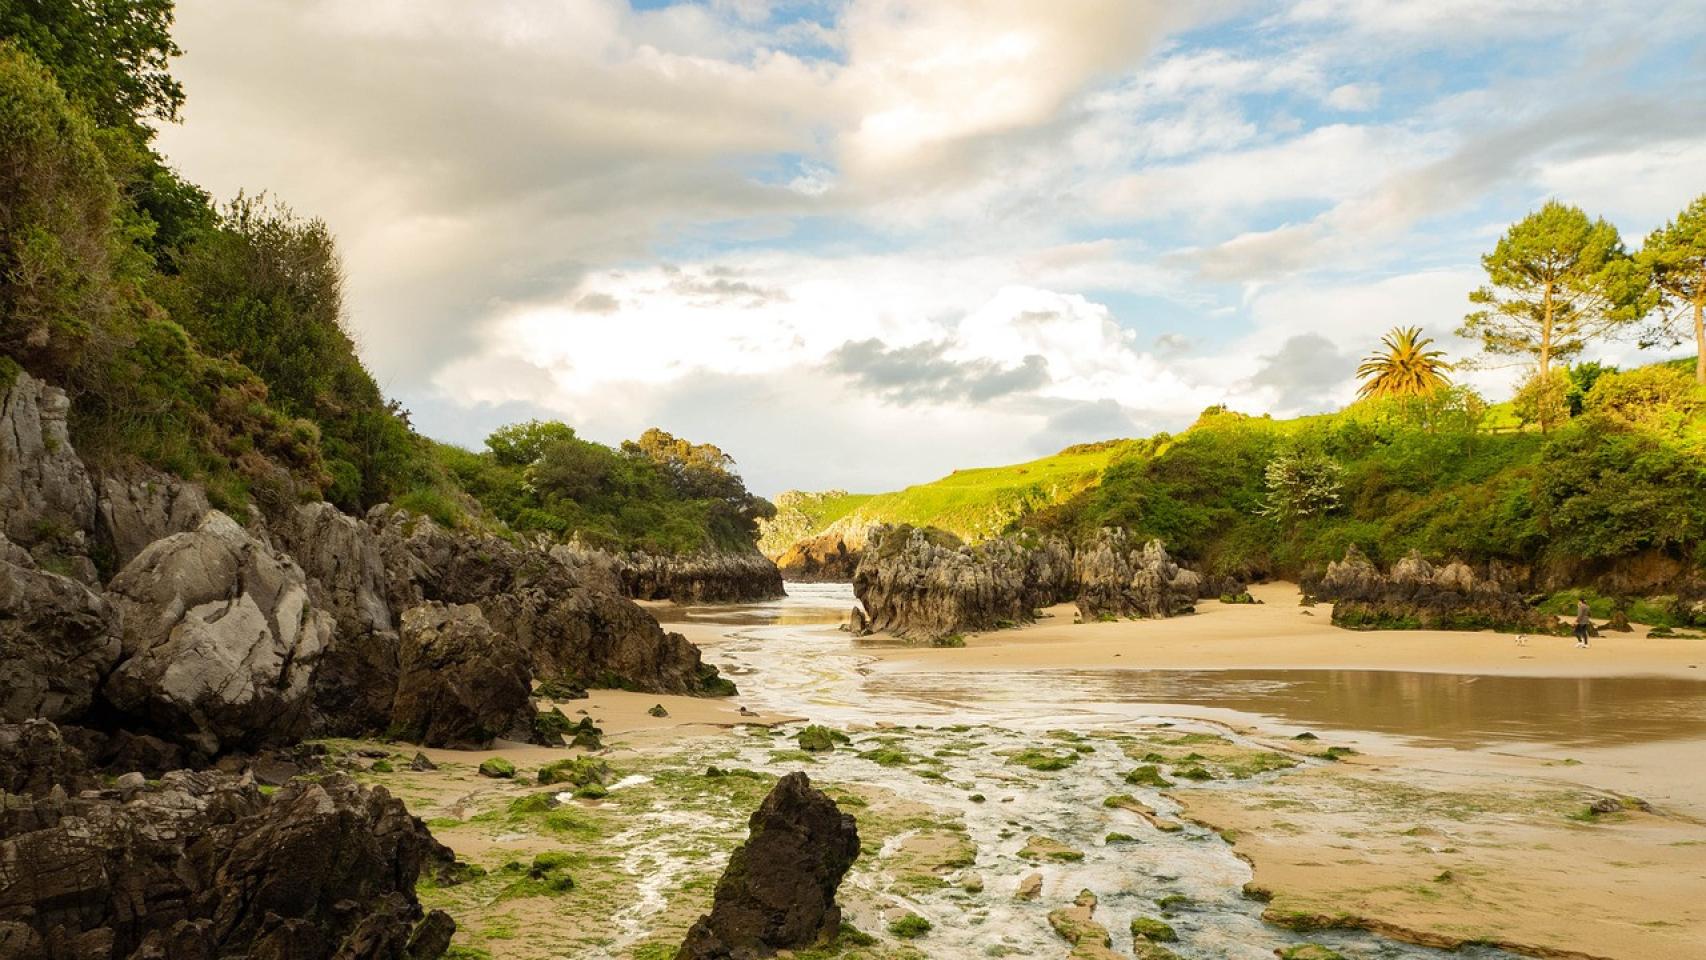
(1522, 639)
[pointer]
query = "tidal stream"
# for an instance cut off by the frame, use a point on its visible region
(788, 657)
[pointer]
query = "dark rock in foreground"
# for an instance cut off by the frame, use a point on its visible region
(203, 865)
(460, 684)
(779, 889)
(1415, 594)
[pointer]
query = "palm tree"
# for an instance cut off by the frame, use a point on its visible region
(1406, 368)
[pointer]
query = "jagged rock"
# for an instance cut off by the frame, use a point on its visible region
(721, 576)
(35, 758)
(58, 640)
(355, 680)
(588, 639)
(1417, 595)
(916, 583)
(857, 623)
(778, 891)
(139, 508)
(822, 559)
(575, 635)
(1117, 579)
(220, 639)
(47, 501)
(204, 865)
(461, 683)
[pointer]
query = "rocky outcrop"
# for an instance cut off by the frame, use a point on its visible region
(220, 639)
(778, 891)
(203, 865)
(1117, 579)
(355, 680)
(1415, 594)
(35, 758)
(47, 502)
(712, 576)
(574, 634)
(922, 584)
(822, 559)
(140, 507)
(460, 683)
(58, 640)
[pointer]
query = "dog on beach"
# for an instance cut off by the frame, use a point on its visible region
(1522, 639)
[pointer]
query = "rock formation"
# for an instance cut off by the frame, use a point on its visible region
(58, 640)
(1118, 579)
(778, 891)
(220, 639)
(47, 502)
(460, 684)
(203, 865)
(923, 584)
(141, 507)
(823, 559)
(918, 584)
(718, 576)
(1415, 594)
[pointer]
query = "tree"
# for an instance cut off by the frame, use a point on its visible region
(109, 56)
(1300, 485)
(1543, 399)
(1556, 281)
(1673, 260)
(1406, 368)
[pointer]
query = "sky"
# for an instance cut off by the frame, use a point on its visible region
(859, 244)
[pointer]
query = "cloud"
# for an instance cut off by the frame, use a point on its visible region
(919, 372)
(1304, 376)
(949, 228)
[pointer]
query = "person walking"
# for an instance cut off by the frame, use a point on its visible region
(1584, 623)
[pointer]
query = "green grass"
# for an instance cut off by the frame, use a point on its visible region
(973, 504)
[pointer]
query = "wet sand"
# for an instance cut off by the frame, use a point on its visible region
(1463, 816)
(1279, 634)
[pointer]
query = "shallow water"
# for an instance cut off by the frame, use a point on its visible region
(788, 657)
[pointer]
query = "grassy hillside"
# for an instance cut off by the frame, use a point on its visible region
(1615, 495)
(973, 504)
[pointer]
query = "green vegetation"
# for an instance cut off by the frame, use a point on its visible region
(1044, 760)
(211, 340)
(1149, 928)
(972, 504)
(910, 927)
(497, 768)
(1406, 368)
(660, 493)
(819, 739)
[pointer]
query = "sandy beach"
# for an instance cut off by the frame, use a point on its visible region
(1278, 633)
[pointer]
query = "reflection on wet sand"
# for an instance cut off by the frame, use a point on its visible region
(1430, 708)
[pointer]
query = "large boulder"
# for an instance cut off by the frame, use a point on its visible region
(47, 502)
(1416, 594)
(137, 508)
(1118, 579)
(778, 891)
(203, 865)
(461, 684)
(355, 680)
(220, 639)
(58, 640)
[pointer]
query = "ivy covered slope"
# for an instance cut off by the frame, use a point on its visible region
(1614, 495)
